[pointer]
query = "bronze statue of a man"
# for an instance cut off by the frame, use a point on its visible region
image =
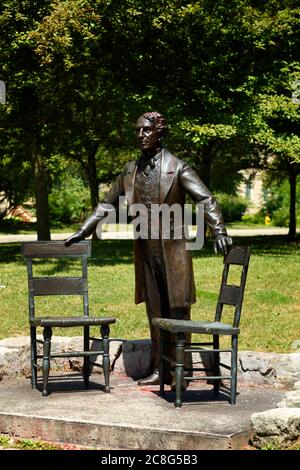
(163, 267)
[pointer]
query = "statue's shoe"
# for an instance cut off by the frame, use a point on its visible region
(152, 379)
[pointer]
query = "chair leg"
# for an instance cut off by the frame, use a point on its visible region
(161, 363)
(86, 361)
(47, 333)
(106, 361)
(233, 388)
(216, 363)
(180, 344)
(33, 357)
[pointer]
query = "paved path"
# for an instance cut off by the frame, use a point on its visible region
(122, 235)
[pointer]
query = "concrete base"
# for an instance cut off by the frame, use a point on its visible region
(130, 417)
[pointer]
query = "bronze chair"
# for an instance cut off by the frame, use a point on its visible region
(229, 295)
(63, 285)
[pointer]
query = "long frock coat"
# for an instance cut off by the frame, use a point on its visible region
(177, 179)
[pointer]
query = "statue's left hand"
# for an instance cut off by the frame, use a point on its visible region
(222, 244)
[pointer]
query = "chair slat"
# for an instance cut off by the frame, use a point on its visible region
(57, 286)
(55, 249)
(237, 255)
(230, 295)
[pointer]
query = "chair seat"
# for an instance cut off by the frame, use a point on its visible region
(191, 326)
(71, 321)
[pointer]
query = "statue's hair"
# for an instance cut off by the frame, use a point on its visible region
(159, 121)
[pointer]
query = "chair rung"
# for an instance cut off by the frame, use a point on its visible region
(206, 350)
(210, 377)
(96, 364)
(226, 366)
(118, 339)
(37, 366)
(77, 354)
(92, 338)
(169, 359)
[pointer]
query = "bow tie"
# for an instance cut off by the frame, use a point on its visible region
(147, 163)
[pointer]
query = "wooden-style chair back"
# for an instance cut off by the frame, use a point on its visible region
(232, 294)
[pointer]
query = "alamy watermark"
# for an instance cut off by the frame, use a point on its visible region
(155, 221)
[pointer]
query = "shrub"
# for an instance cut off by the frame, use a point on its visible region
(69, 200)
(277, 201)
(281, 217)
(232, 207)
(257, 218)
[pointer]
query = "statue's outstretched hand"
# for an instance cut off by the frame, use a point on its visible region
(75, 238)
(222, 244)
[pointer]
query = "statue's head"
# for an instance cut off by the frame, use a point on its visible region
(151, 128)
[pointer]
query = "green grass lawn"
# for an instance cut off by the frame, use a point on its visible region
(271, 312)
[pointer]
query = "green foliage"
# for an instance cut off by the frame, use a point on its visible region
(26, 444)
(68, 200)
(272, 445)
(257, 218)
(111, 161)
(281, 217)
(4, 441)
(276, 202)
(31, 444)
(277, 122)
(232, 207)
(79, 72)
(201, 135)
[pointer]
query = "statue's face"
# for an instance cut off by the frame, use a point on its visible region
(148, 136)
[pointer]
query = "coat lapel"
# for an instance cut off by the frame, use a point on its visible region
(166, 175)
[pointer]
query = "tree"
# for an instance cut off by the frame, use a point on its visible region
(274, 114)
(15, 170)
(95, 66)
(87, 105)
(278, 133)
(24, 110)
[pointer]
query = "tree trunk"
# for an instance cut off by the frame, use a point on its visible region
(292, 222)
(29, 120)
(41, 195)
(92, 178)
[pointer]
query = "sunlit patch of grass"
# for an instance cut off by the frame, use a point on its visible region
(272, 297)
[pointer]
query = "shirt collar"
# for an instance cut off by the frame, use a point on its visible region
(150, 161)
